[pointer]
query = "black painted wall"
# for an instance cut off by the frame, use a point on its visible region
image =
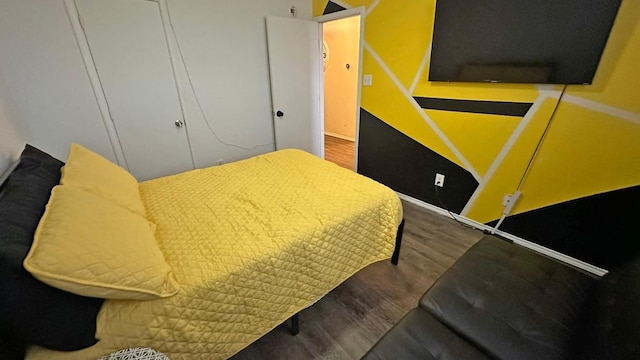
(394, 159)
(601, 229)
(332, 7)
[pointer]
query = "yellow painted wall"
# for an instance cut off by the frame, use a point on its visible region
(593, 141)
(341, 83)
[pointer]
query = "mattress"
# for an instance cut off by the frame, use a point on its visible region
(251, 243)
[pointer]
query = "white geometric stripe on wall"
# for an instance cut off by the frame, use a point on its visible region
(603, 108)
(466, 164)
(515, 135)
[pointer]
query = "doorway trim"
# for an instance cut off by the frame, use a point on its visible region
(359, 11)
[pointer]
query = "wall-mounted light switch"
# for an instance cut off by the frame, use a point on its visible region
(367, 80)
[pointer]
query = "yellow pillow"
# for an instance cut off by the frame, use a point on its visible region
(90, 246)
(90, 171)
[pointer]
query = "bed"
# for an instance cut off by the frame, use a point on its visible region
(250, 244)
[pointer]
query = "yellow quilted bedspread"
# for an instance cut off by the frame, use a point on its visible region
(251, 243)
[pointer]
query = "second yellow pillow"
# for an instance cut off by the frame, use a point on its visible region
(90, 246)
(92, 172)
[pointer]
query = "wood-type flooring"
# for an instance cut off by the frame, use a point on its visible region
(349, 320)
(339, 151)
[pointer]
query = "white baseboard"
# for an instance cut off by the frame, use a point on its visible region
(343, 137)
(522, 242)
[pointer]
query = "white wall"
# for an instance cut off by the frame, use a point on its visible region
(46, 77)
(341, 84)
(224, 46)
(12, 139)
(225, 52)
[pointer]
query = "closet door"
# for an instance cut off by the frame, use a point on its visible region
(129, 49)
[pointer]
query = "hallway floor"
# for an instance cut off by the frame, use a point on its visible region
(339, 151)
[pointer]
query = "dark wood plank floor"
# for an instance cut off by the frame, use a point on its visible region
(339, 151)
(349, 320)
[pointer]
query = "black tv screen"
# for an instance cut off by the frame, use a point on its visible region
(520, 41)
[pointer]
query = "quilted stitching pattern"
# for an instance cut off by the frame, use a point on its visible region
(250, 243)
(92, 172)
(90, 246)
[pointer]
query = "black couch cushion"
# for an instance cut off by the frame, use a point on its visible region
(420, 336)
(30, 310)
(614, 321)
(511, 302)
(12, 346)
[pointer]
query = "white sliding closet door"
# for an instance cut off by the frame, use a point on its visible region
(130, 52)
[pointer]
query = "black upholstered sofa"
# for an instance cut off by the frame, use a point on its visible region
(502, 301)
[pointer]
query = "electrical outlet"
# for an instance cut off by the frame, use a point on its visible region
(439, 180)
(509, 201)
(219, 161)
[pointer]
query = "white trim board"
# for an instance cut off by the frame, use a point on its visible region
(359, 11)
(517, 240)
(340, 136)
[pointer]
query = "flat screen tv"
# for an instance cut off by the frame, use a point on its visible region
(520, 41)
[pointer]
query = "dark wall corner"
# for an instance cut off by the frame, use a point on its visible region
(394, 159)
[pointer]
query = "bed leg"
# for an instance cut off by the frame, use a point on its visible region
(396, 251)
(295, 325)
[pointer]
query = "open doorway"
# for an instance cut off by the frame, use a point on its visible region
(342, 70)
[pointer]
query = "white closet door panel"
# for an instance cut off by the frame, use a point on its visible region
(294, 66)
(129, 48)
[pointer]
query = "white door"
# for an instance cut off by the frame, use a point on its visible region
(296, 86)
(130, 52)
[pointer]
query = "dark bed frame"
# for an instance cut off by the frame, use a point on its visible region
(295, 319)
